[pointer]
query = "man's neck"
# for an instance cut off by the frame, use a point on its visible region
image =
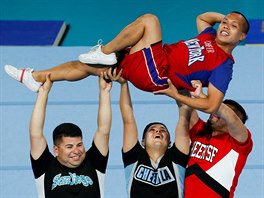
(218, 132)
(155, 154)
(227, 48)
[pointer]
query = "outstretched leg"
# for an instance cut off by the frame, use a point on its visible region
(70, 71)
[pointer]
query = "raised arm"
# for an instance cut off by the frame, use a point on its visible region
(37, 140)
(208, 19)
(130, 126)
(187, 111)
(130, 137)
(187, 118)
(235, 126)
(104, 119)
(182, 138)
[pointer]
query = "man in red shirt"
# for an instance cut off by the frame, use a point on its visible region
(148, 64)
(219, 149)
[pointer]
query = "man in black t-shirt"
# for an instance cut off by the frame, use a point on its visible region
(153, 169)
(73, 172)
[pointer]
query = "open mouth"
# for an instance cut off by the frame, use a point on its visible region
(157, 137)
(224, 33)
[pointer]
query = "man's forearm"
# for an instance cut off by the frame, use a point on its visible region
(211, 17)
(38, 115)
(104, 113)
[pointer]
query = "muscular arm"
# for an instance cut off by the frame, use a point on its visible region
(235, 126)
(207, 105)
(182, 139)
(130, 137)
(104, 119)
(208, 19)
(37, 140)
(130, 127)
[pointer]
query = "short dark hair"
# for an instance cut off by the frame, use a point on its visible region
(65, 130)
(247, 26)
(152, 123)
(239, 110)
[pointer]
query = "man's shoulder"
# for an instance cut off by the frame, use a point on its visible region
(209, 30)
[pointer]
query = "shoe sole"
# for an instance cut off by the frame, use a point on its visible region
(97, 64)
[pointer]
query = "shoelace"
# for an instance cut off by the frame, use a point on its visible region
(99, 43)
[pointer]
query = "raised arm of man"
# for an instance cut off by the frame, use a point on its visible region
(208, 19)
(129, 122)
(37, 140)
(182, 138)
(104, 120)
(130, 137)
(236, 127)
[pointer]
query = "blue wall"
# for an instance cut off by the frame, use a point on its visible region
(78, 102)
(91, 20)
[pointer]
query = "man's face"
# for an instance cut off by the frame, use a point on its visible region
(70, 152)
(230, 30)
(217, 124)
(156, 135)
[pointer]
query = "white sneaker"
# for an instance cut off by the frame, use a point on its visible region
(24, 76)
(96, 56)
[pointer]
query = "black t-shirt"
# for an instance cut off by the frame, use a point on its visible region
(55, 180)
(144, 180)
